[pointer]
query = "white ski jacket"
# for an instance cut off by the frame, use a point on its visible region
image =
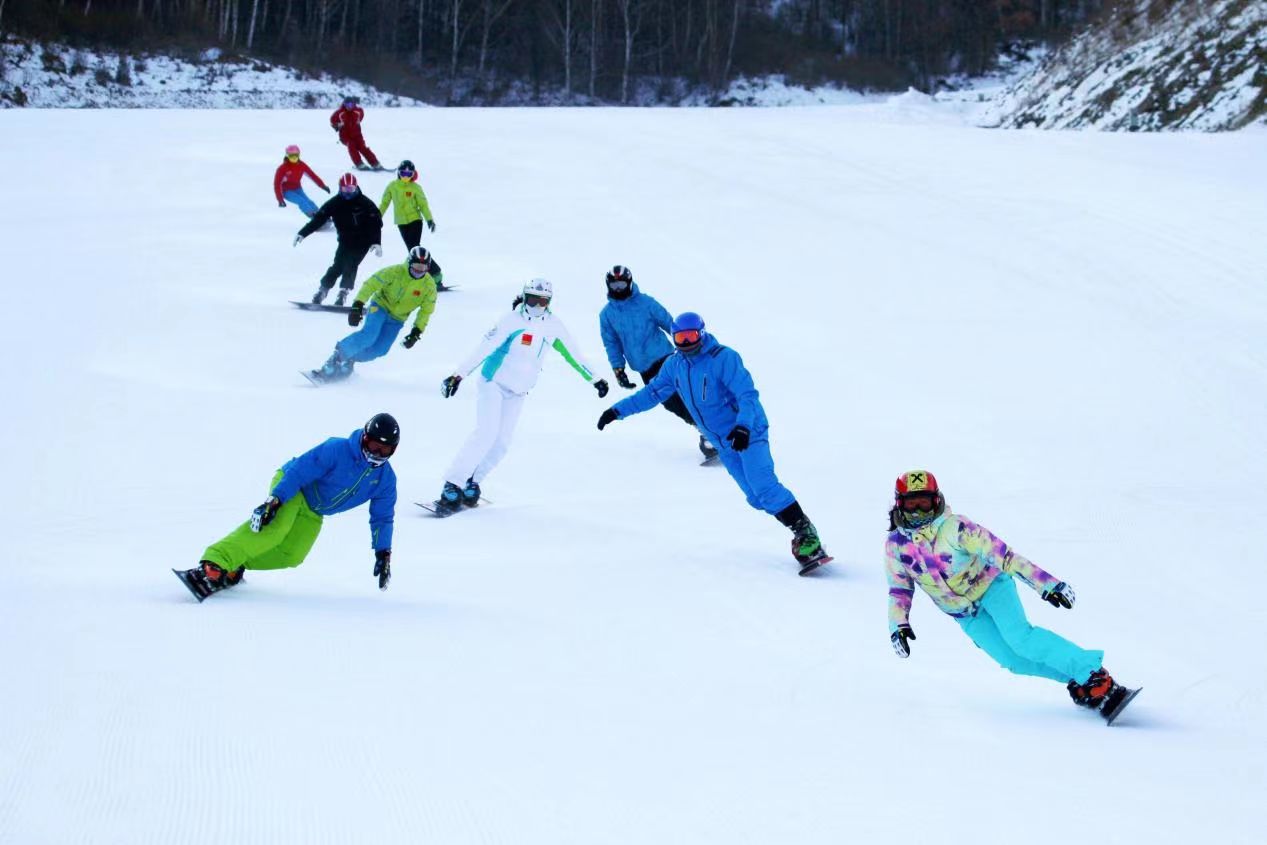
(512, 351)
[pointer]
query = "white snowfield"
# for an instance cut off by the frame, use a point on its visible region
(1067, 328)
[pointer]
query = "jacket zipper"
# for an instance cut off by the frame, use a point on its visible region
(712, 438)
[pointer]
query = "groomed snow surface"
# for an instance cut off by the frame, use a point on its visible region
(1067, 328)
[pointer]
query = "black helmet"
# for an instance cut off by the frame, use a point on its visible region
(379, 438)
(419, 255)
(406, 165)
(619, 282)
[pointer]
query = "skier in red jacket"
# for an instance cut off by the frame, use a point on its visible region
(346, 120)
(287, 179)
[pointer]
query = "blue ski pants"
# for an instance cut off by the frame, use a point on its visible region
(299, 198)
(753, 471)
(1001, 630)
(373, 339)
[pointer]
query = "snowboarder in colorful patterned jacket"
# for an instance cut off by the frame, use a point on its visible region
(388, 297)
(346, 120)
(510, 358)
(287, 182)
(722, 399)
(968, 572)
(635, 328)
(332, 477)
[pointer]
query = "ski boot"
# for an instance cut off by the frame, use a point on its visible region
(450, 501)
(1102, 693)
(708, 450)
(806, 547)
(207, 578)
(363, 166)
(341, 297)
(334, 369)
(320, 296)
(471, 493)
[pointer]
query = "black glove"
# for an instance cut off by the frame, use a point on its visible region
(411, 338)
(449, 386)
(357, 312)
(281, 203)
(1060, 595)
(383, 567)
(738, 438)
(900, 637)
(607, 417)
(264, 514)
(623, 380)
(431, 225)
(325, 188)
(601, 387)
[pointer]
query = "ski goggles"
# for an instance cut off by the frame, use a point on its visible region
(617, 284)
(917, 502)
(347, 190)
(292, 156)
(534, 301)
(378, 450)
(405, 174)
(686, 337)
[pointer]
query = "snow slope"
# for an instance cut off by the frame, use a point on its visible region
(1067, 328)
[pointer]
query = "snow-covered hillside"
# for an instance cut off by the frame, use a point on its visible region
(1202, 64)
(56, 76)
(1067, 327)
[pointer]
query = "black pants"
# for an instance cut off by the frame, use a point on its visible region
(674, 403)
(346, 260)
(411, 234)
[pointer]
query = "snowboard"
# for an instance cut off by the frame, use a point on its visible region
(431, 508)
(1111, 715)
(189, 585)
(308, 306)
(708, 462)
(811, 565)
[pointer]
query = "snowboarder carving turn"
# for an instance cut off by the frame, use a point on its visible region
(359, 226)
(968, 572)
(510, 357)
(719, 393)
(288, 179)
(332, 477)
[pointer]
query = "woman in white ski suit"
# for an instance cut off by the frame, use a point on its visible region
(511, 353)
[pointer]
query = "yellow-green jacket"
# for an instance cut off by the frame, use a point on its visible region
(410, 201)
(399, 294)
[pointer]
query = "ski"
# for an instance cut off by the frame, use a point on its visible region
(189, 585)
(1111, 715)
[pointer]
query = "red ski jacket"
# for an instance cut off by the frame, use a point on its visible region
(347, 121)
(289, 175)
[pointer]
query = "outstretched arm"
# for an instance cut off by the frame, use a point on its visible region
(564, 345)
(978, 540)
(383, 513)
(901, 588)
(494, 338)
(658, 390)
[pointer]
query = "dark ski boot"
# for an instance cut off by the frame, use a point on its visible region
(807, 548)
(1115, 701)
(320, 296)
(471, 493)
(207, 578)
(334, 369)
(450, 501)
(341, 297)
(708, 450)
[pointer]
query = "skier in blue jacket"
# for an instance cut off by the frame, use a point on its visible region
(332, 477)
(718, 391)
(635, 328)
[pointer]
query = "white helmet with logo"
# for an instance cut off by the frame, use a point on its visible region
(537, 295)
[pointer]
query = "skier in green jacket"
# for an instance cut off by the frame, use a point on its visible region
(390, 296)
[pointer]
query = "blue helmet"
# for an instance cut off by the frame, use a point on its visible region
(688, 331)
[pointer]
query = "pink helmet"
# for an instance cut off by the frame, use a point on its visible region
(292, 150)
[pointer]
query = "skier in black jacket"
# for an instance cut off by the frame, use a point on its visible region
(360, 228)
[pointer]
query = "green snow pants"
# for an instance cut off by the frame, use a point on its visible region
(281, 544)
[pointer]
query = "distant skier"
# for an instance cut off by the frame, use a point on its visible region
(512, 354)
(392, 294)
(332, 477)
(635, 328)
(718, 392)
(346, 120)
(287, 179)
(360, 229)
(968, 573)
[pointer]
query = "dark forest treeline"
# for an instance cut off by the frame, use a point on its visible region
(602, 49)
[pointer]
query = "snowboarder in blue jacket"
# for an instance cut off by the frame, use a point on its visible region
(332, 477)
(718, 391)
(635, 328)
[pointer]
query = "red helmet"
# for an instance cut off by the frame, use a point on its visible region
(918, 481)
(347, 184)
(917, 500)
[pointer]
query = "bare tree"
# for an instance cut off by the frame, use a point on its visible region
(631, 17)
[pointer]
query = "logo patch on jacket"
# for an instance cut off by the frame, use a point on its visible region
(525, 339)
(417, 293)
(409, 193)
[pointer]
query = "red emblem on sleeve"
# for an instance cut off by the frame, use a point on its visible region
(525, 339)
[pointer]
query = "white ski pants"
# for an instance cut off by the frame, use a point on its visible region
(496, 415)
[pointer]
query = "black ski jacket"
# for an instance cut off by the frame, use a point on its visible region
(356, 220)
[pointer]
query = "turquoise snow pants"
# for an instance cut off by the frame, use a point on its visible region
(1001, 630)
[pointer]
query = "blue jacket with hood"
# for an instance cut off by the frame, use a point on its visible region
(335, 477)
(714, 385)
(635, 330)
